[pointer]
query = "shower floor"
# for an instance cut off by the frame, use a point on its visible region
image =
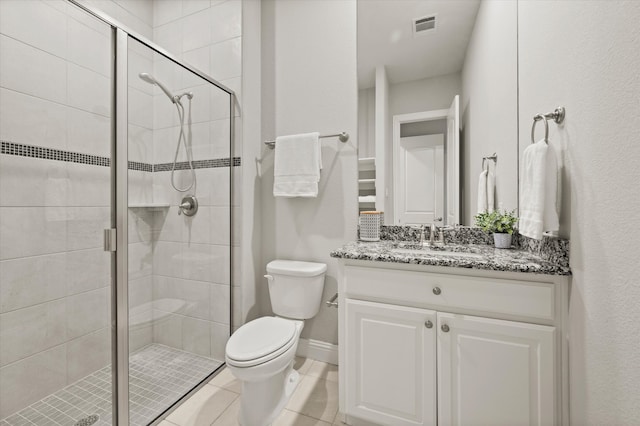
(159, 376)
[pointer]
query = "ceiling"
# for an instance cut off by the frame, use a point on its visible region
(385, 37)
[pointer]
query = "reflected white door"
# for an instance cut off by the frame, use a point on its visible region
(453, 162)
(420, 185)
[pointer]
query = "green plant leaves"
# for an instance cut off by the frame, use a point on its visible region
(496, 221)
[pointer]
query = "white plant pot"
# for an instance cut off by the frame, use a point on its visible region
(502, 241)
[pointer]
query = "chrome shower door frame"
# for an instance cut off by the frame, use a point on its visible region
(120, 295)
(119, 210)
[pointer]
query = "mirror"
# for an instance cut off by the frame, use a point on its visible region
(437, 93)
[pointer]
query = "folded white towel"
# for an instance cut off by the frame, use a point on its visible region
(296, 170)
(482, 192)
(367, 199)
(538, 191)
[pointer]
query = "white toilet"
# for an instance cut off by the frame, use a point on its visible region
(261, 352)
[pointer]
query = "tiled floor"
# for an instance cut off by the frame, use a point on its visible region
(314, 402)
(159, 376)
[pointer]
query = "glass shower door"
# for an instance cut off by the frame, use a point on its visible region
(55, 200)
(66, 304)
(179, 133)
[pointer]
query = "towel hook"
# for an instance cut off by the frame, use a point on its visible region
(536, 118)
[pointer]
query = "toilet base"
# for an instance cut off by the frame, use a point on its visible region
(262, 401)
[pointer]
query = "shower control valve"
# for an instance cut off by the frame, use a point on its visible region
(189, 205)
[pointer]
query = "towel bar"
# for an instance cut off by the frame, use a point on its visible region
(343, 137)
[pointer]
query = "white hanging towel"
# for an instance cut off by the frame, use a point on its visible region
(486, 188)
(491, 188)
(539, 191)
(296, 171)
(482, 192)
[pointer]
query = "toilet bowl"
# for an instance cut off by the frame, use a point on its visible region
(261, 353)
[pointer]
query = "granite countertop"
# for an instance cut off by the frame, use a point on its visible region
(473, 256)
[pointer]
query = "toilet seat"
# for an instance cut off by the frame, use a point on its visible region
(260, 341)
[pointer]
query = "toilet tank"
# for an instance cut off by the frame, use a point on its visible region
(295, 287)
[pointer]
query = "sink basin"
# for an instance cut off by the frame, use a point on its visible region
(428, 251)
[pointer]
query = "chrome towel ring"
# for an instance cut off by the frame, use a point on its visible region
(536, 118)
(485, 160)
(557, 116)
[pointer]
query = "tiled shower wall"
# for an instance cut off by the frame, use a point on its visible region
(140, 192)
(191, 256)
(54, 276)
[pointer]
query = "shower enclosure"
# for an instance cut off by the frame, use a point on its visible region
(115, 218)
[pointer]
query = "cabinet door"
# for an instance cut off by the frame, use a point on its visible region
(390, 363)
(494, 372)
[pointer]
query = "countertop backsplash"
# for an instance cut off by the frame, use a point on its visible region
(552, 249)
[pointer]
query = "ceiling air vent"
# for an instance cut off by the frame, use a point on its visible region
(424, 25)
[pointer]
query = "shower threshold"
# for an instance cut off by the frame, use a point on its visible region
(158, 377)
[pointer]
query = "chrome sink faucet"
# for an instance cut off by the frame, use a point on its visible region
(421, 228)
(432, 234)
(436, 235)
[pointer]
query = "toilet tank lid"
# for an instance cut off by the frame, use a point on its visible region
(296, 268)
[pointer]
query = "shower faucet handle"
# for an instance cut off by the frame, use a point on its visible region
(189, 205)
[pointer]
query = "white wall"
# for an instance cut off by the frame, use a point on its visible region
(423, 95)
(137, 15)
(366, 123)
(585, 56)
(310, 84)
(384, 159)
(489, 105)
(248, 270)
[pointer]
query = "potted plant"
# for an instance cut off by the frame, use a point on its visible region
(501, 224)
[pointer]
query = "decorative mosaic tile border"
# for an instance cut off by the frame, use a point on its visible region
(141, 167)
(32, 151)
(21, 150)
(197, 164)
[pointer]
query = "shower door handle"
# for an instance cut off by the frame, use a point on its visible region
(110, 240)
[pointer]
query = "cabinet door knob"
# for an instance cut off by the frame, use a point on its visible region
(445, 328)
(428, 324)
(437, 291)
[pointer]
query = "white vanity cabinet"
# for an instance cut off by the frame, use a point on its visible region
(426, 345)
(391, 363)
(494, 372)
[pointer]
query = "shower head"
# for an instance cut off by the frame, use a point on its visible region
(151, 80)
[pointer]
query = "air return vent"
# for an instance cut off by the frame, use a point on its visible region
(424, 25)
